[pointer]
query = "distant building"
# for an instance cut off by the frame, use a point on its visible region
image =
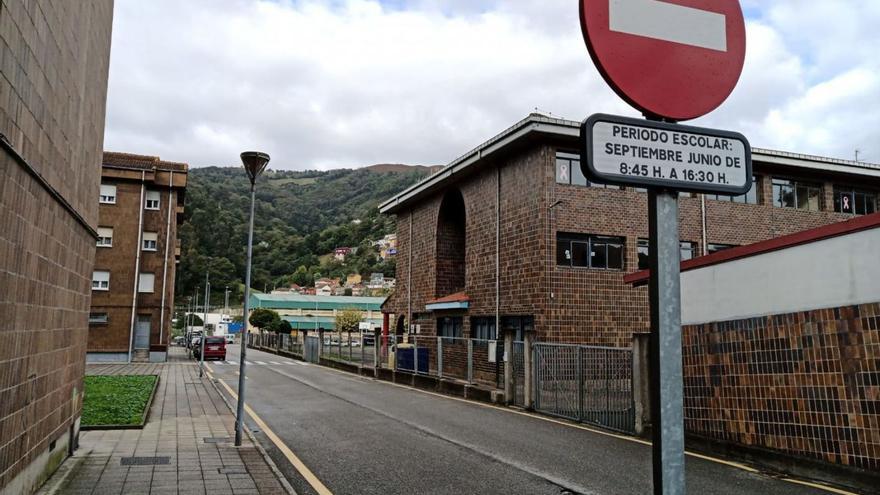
(354, 278)
(341, 252)
(387, 246)
(318, 312)
(52, 106)
(141, 203)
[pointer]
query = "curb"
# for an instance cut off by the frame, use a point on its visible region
(61, 475)
(260, 449)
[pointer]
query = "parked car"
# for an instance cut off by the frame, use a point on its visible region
(215, 348)
(180, 340)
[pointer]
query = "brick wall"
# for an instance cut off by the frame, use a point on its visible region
(805, 383)
(53, 83)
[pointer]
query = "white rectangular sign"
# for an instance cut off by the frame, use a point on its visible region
(625, 151)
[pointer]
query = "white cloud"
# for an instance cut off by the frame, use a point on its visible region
(328, 83)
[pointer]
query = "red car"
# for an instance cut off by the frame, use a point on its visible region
(215, 348)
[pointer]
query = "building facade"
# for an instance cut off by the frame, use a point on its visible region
(791, 367)
(141, 203)
(315, 313)
(53, 91)
(512, 234)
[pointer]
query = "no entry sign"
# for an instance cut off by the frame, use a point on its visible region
(674, 59)
(625, 151)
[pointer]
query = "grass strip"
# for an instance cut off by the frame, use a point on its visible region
(116, 399)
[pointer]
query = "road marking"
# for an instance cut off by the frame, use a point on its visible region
(304, 471)
(260, 362)
(231, 362)
(248, 363)
(695, 455)
(301, 363)
(669, 22)
(209, 368)
(274, 362)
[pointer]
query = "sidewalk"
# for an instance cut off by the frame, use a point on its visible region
(187, 443)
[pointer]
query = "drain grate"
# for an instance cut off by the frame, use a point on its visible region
(232, 470)
(217, 439)
(145, 461)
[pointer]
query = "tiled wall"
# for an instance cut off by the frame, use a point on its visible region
(805, 383)
(53, 82)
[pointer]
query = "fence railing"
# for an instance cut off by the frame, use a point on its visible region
(585, 383)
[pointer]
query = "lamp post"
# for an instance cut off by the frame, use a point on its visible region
(254, 163)
(226, 301)
(204, 327)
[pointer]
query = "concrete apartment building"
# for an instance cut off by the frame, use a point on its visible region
(141, 204)
(53, 91)
(513, 230)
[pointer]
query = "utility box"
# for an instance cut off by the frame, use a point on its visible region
(405, 358)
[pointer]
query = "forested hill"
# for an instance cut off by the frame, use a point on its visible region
(300, 216)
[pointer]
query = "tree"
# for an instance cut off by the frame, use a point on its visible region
(264, 319)
(195, 320)
(284, 327)
(347, 320)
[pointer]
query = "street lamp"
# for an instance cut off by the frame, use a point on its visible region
(254, 163)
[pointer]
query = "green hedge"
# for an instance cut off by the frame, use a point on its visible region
(116, 399)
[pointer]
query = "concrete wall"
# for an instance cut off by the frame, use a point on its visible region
(53, 85)
(840, 271)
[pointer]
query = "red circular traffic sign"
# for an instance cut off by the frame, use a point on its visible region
(675, 59)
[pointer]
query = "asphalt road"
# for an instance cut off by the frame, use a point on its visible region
(369, 437)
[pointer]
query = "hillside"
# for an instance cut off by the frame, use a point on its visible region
(300, 215)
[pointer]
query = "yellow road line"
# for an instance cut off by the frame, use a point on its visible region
(291, 457)
(704, 457)
(818, 486)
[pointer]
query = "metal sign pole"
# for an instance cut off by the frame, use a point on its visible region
(666, 366)
(204, 327)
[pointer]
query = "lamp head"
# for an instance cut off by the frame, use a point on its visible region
(254, 163)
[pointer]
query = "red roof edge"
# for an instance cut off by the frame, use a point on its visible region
(804, 237)
(457, 297)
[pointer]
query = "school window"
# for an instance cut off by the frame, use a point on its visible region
(854, 201)
(108, 194)
(449, 327)
(714, 248)
(483, 328)
(568, 171)
(687, 250)
(105, 237)
(100, 280)
(146, 282)
(749, 198)
(796, 194)
(97, 318)
(152, 200)
(150, 241)
(518, 325)
(589, 251)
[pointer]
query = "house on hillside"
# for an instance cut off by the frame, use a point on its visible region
(387, 246)
(341, 252)
(326, 286)
(353, 279)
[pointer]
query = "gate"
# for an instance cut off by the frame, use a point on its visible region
(585, 383)
(311, 349)
(519, 375)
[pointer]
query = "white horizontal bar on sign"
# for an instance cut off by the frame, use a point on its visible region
(669, 22)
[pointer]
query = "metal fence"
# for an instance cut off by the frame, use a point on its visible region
(585, 383)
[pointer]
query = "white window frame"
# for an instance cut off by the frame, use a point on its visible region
(102, 280)
(105, 237)
(143, 286)
(152, 200)
(150, 241)
(106, 196)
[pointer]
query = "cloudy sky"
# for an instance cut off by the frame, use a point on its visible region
(346, 83)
